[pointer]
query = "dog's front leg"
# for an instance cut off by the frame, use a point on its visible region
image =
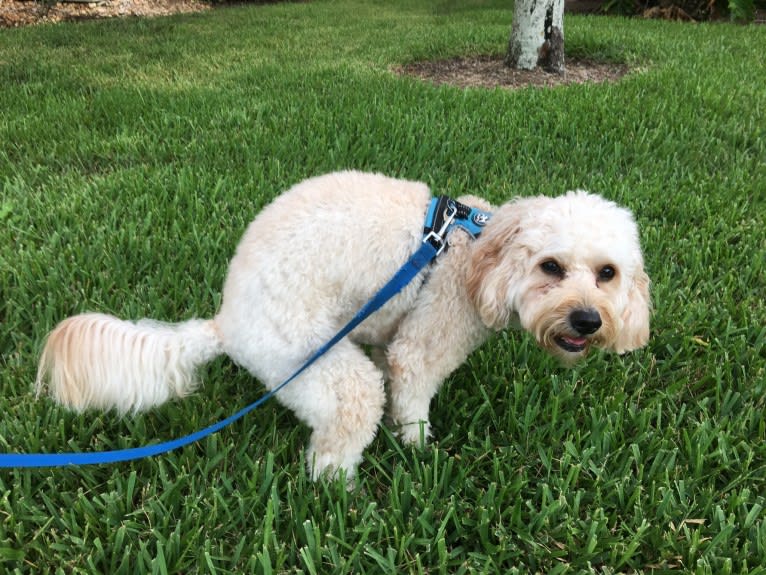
(431, 342)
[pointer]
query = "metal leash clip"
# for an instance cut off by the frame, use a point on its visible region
(437, 239)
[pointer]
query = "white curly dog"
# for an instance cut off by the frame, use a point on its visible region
(568, 270)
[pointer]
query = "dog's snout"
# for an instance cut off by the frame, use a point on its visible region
(585, 321)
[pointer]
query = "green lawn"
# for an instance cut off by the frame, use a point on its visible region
(133, 153)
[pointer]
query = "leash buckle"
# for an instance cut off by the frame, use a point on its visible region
(437, 239)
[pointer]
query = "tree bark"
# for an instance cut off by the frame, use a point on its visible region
(537, 35)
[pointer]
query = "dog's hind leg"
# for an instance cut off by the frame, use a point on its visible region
(341, 398)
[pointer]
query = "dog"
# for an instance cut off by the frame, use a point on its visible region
(568, 270)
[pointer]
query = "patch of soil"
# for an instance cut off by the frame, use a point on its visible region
(491, 72)
(15, 13)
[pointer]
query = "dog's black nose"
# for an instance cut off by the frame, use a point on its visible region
(585, 321)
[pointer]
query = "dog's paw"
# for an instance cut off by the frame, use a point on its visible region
(416, 434)
(332, 466)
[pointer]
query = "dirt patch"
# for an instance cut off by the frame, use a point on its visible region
(15, 13)
(491, 72)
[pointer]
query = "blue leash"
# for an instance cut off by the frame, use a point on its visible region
(433, 243)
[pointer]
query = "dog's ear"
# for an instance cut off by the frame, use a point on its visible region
(635, 317)
(494, 268)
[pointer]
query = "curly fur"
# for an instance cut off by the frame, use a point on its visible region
(312, 258)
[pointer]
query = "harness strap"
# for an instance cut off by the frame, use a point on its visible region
(432, 245)
(444, 209)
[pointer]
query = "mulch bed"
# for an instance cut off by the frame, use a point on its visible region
(15, 13)
(491, 72)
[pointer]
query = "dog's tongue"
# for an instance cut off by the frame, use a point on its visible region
(578, 341)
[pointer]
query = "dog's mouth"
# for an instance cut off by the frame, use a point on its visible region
(571, 344)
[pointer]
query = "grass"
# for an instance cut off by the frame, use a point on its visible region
(134, 152)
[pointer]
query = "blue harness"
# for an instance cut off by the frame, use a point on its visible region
(444, 214)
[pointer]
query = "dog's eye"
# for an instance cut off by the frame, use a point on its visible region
(606, 273)
(552, 268)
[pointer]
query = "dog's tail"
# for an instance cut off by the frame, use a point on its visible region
(99, 361)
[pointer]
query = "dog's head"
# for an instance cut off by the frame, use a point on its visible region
(568, 269)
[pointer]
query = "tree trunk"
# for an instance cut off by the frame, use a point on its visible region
(537, 35)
